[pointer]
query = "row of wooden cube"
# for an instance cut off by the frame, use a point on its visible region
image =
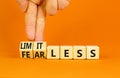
(41, 50)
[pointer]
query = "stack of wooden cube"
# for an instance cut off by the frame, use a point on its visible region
(41, 50)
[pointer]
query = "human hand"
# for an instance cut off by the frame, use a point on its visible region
(35, 11)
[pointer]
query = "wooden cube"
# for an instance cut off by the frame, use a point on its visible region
(66, 52)
(39, 49)
(26, 49)
(79, 52)
(53, 52)
(92, 52)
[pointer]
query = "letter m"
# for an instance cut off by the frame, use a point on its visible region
(28, 45)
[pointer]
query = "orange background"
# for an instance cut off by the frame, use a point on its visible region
(83, 22)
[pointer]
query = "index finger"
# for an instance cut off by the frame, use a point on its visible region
(40, 23)
(31, 15)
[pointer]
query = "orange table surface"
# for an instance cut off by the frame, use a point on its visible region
(29, 68)
(83, 22)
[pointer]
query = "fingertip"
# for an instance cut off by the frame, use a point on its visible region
(30, 34)
(39, 38)
(23, 4)
(62, 4)
(51, 11)
(51, 7)
(67, 3)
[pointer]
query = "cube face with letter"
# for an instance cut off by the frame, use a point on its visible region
(53, 52)
(39, 49)
(92, 52)
(79, 52)
(66, 52)
(26, 49)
